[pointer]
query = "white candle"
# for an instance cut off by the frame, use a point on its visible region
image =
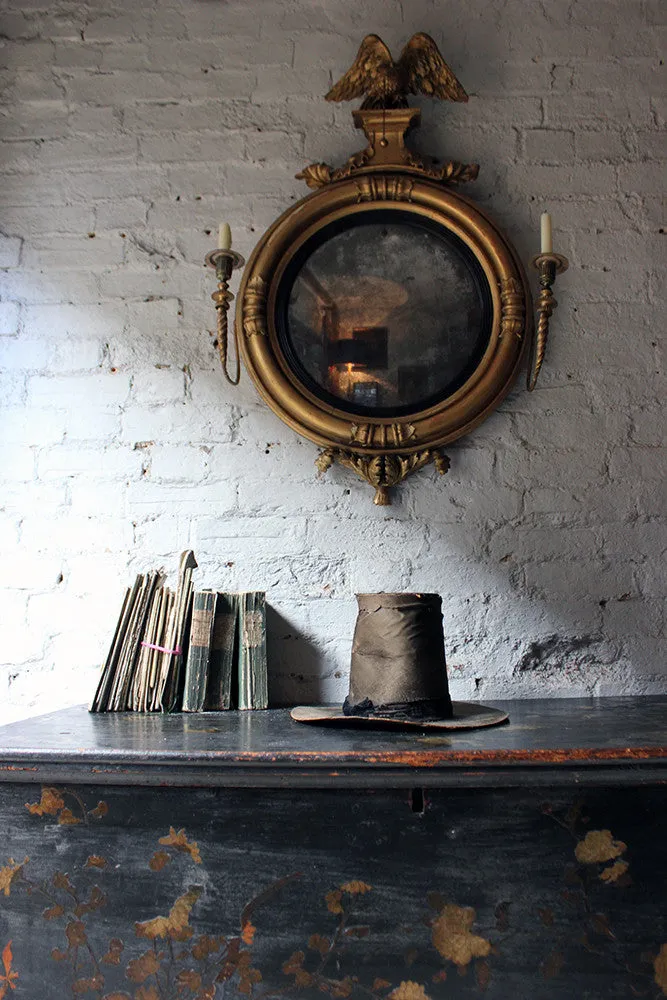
(545, 233)
(225, 237)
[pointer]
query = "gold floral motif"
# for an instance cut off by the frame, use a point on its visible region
(614, 872)
(9, 872)
(598, 846)
(409, 991)
(660, 969)
(180, 842)
(52, 803)
(8, 978)
(356, 887)
(254, 307)
(177, 925)
(453, 938)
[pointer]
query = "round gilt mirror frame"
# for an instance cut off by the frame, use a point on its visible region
(386, 175)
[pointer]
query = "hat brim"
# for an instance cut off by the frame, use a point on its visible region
(466, 715)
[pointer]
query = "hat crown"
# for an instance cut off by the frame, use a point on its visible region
(398, 667)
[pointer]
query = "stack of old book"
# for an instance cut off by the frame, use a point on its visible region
(185, 650)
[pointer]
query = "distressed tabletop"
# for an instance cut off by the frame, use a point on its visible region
(547, 741)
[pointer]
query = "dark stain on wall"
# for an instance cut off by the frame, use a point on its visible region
(550, 653)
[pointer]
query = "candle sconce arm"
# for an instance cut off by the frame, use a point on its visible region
(548, 265)
(224, 262)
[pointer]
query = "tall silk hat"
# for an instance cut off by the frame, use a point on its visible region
(398, 672)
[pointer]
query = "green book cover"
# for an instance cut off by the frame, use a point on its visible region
(201, 633)
(223, 648)
(252, 673)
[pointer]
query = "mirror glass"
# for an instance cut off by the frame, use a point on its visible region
(383, 313)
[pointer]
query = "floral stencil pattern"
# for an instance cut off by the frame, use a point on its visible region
(165, 957)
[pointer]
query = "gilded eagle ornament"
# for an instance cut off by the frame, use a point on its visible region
(385, 84)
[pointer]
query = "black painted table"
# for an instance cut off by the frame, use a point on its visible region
(243, 854)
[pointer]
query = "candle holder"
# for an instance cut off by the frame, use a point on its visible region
(548, 265)
(224, 262)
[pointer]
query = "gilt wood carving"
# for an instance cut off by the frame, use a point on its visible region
(385, 188)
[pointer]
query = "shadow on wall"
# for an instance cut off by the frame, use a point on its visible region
(297, 664)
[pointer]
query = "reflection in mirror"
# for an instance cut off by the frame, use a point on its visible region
(384, 314)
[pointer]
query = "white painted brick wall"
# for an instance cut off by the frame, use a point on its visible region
(130, 130)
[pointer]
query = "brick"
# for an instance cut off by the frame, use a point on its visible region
(281, 81)
(272, 536)
(19, 155)
(73, 461)
(585, 111)
(84, 425)
(33, 572)
(260, 178)
(596, 579)
(130, 213)
(652, 145)
(21, 644)
(190, 500)
(190, 146)
(105, 391)
(638, 462)
(602, 146)
(65, 320)
(78, 150)
(273, 145)
(86, 498)
(641, 178)
(158, 386)
(38, 120)
(31, 221)
(549, 145)
(176, 464)
(114, 27)
(12, 389)
(77, 54)
(119, 182)
(87, 121)
(33, 86)
(10, 250)
(65, 251)
(575, 180)
(24, 354)
(9, 318)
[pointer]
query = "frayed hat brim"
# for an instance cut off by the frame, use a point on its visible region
(466, 715)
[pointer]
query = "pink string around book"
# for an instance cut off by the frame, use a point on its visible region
(163, 649)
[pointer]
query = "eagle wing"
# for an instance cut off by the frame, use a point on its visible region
(373, 58)
(426, 72)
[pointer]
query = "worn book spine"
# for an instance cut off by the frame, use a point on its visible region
(201, 633)
(115, 700)
(123, 701)
(146, 642)
(252, 673)
(163, 657)
(101, 698)
(156, 654)
(172, 693)
(223, 648)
